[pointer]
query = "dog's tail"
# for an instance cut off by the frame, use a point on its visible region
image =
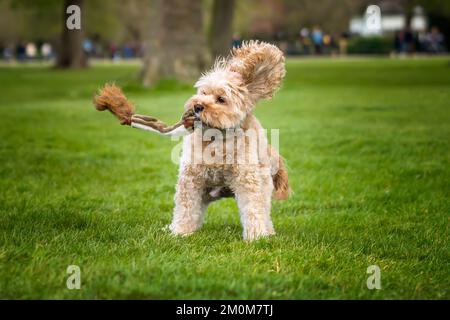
(280, 178)
(281, 182)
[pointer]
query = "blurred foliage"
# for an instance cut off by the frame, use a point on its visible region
(40, 19)
(370, 45)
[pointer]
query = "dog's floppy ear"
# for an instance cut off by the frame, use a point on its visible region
(261, 65)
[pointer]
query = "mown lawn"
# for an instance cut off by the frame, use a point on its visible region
(367, 143)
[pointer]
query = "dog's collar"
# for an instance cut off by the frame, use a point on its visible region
(233, 132)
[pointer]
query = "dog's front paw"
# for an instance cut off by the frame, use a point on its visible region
(255, 232)
(176, 230)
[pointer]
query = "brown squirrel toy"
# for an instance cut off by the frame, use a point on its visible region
(111, 98)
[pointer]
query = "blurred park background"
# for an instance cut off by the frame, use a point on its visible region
(178, 39)
(364, 128)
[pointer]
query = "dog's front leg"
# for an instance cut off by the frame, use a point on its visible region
(189, 205)
(253, 189)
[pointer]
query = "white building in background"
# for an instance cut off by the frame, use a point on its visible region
(392, 18)
(419, 21)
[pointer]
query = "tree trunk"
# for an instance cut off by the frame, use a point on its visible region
(71, 54)
(176, 48)
(221, 27)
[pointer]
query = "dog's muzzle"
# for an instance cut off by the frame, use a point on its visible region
(198, 108)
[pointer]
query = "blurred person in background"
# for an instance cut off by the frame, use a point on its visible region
(128, 51)
(281, 40)
(343, 44)
(88, 47)
(8, 53)
(30, 51)
(399, 41)
(434, 41)
(46, 51)
(328, 44)
(112, 50)
(420, 41)
(20, 52)
(236, 41)
(317, 38)
(305, 41)
(408, 41)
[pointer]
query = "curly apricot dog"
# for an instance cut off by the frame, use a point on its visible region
(224, 102)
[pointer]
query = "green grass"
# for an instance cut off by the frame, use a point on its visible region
(367, 144)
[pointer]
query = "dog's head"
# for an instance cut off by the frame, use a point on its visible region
(230, 90)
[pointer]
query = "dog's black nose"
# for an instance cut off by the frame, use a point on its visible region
(198, 108)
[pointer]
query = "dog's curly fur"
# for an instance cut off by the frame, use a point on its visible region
(227, 95)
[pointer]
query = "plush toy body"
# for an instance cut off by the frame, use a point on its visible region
(225, 99)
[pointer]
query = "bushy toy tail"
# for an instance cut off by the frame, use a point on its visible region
(111, 98)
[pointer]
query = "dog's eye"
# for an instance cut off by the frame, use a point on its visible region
(220, 99)
(203, 93)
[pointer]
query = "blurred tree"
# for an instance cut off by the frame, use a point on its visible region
(176, 46)
(268, 16)
(221, 32)
(134, 15)
(7, 21)
(71, 54)
(102, 19)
